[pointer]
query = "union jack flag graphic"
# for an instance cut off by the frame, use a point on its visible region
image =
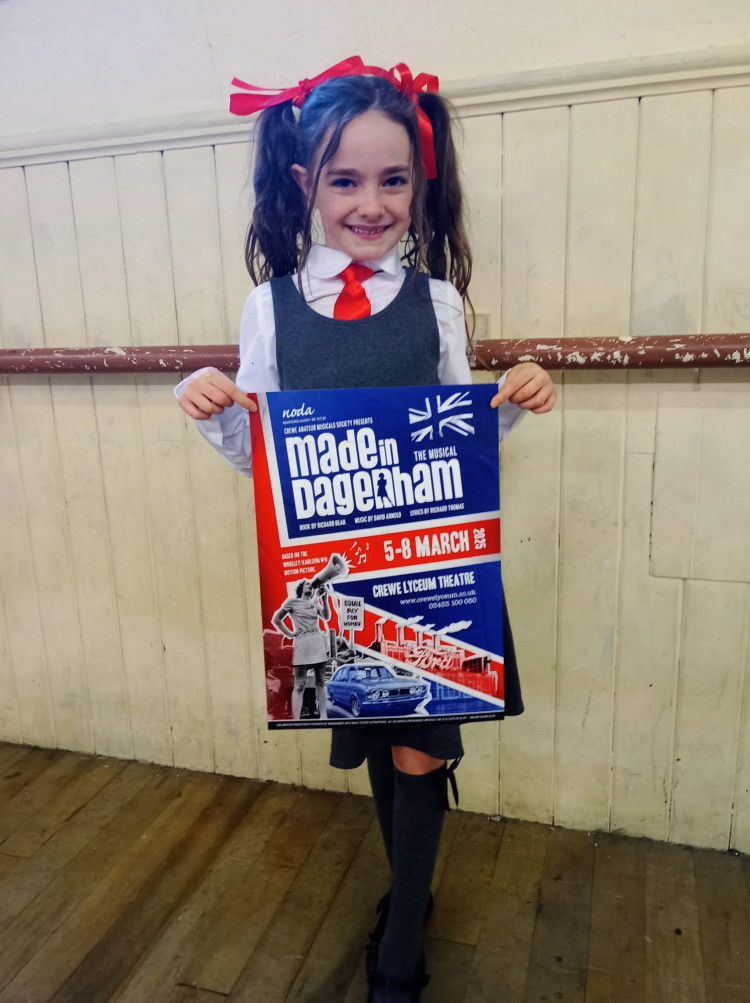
(460, 423)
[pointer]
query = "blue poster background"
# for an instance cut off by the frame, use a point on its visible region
(392, 414)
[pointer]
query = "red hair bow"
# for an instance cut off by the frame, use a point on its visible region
(401, 78)
(399, 75)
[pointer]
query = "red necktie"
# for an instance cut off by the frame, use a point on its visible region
(352, 303)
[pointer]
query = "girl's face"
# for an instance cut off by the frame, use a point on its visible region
(365, 191)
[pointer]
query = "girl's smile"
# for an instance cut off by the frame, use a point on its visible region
(365, 191)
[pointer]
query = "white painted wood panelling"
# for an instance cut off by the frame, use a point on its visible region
(670, 237)
(648, 623)
(714, 642)
(20, 310)
(9, 721)
(220, 584)
(146, 249)
(41, 485)
(25, 668)
(600, 240)
(91, 566)
(129, 605)
(701, 509)
(740, 822)
(41, 460)
(123, 476)
(99, 247)
(235, 198)
(190, 177)
(481, 157)
(727, 293)
(534, 207)
(481, 152)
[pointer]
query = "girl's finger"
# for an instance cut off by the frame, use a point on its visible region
(547, 403)
(216, 394)
(241, 398)
(506, 391)
(206, 405)
(190, 409)
(527, 391)
(547, 406)
(531, 403)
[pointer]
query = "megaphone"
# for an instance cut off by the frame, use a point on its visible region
(336, 568)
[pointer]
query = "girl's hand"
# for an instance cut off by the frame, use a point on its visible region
(209, 393)
(529, 386)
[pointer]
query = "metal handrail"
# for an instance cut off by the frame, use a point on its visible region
(673, 352)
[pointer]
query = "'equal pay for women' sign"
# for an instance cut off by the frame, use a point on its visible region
(378, 516)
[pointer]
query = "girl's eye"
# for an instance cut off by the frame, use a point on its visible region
(397, 181)
(342, 183)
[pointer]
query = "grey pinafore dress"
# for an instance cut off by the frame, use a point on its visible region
(399, 346)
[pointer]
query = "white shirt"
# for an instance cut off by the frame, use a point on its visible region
(229, 432)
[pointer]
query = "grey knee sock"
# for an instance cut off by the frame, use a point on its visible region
(381, 770)
(418, 810)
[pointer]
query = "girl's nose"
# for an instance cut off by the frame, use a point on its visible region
(371, 204)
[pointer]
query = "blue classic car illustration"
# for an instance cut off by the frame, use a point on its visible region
(368, 688)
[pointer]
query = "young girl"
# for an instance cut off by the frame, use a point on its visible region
(370, 153)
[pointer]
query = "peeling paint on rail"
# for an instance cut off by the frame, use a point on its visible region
(674, 352)
(575, 353)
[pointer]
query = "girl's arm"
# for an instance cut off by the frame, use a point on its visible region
(220, 406)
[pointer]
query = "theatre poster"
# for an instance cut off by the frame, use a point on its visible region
(378, 521)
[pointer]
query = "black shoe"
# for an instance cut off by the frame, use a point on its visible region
(383, 990)
(371, 951)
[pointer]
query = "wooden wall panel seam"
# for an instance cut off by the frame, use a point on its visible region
(742, 726)
(111, 576)
(122, 248)
(616, 619)
(679, 651)
(559, 485)
(10, 672)
(163, 173)
(243, 518)
(154, 582)
(85, 332)
(74, 592)
(33, 254)
(207, 695)
(224, 320)
(709, 204)
(46, 731)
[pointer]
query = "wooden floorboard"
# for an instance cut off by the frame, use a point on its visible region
(277, 957)
(617, 935)
(724, 912)
(674, 955)
(559, 951)
(501, 962)
(131, 883)
(179, 943)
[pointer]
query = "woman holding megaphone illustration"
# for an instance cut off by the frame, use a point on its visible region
(305, 609)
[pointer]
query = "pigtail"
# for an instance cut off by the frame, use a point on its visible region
(447, 253)
(271, 248)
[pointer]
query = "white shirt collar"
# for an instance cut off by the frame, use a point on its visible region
(325, 262)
